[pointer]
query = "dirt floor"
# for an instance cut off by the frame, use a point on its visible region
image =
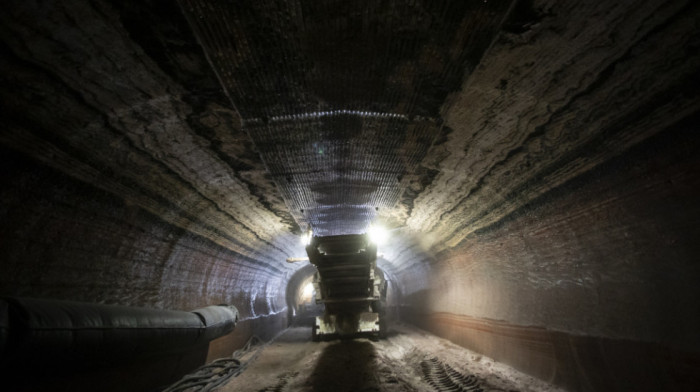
(408, 360)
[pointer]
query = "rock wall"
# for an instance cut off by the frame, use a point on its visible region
(590, 286)
(113, 191)
(550, 221)
(566, 199)
(126, 179)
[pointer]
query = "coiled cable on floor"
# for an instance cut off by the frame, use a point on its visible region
(215, 374)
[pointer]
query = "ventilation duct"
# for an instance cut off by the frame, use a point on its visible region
(81, 332)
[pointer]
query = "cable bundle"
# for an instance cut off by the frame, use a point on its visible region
(215, 374)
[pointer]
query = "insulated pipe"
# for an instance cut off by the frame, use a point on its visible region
(75, 331)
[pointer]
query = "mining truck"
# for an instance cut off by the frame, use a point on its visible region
(349, 285)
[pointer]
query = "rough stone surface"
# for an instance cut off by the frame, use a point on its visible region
(535, 160)
(543, 211)
(149, 209)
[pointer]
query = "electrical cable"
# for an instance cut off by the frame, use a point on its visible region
(209, 377)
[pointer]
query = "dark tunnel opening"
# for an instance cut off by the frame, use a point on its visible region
(300, 297)
(534, 164)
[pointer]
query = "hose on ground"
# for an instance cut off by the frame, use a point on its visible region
(215, 374)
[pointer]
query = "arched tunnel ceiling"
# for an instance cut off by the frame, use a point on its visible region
(178, 140)
(343, 99)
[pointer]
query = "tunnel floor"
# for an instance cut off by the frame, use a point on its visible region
(409, 359)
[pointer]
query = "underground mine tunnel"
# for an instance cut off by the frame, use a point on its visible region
(193, 183)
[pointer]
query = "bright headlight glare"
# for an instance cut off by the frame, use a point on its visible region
(377, 234)
(306, 237)
(308, 290)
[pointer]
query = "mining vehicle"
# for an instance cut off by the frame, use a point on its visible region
(349, 285)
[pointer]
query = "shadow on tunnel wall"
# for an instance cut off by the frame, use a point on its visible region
(143, 373)
(577, 363)
(346, 366)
